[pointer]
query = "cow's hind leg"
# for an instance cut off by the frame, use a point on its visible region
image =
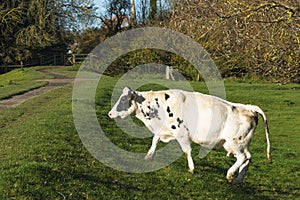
(241, 158)
(243, 168)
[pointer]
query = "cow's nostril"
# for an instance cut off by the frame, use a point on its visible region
(110, 114)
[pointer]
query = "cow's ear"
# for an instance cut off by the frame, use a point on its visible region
(127, 89)
(136, 97)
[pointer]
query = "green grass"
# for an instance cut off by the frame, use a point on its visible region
(69, 71)
(20, 81)
(42, 156)
(23, 80)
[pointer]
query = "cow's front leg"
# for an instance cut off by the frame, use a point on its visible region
(151, 151)
(185, 144)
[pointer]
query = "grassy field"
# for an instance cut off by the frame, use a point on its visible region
(20, 81)
(69, 71)
(42, 156)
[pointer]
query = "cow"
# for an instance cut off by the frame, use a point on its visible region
(195, 117)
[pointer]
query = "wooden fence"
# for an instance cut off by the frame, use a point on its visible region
(80, 58)
(54, 59)
(44, 60)
(6, 68)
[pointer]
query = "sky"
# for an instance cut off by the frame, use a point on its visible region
(101, 5)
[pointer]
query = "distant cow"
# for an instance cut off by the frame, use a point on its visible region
(191, 116)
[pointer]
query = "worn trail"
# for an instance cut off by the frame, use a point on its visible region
(57, 81)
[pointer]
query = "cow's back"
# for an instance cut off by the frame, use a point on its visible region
(204, 115)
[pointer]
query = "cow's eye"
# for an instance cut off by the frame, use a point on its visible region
(123, 99)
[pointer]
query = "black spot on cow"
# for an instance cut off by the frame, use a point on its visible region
(233, 108)
(167, 96)
(154, 114)
(179, 122)
(169, 111)
(151, 113)
(143, 113)
(186, 128)
(156, 100)
(173, 127)
(124, 103)
(140, 99)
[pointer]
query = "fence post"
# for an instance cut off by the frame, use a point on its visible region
(169, 73)
(73, 59)
(54, 59)
(62, 58)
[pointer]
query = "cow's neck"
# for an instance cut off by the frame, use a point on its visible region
(149, 111)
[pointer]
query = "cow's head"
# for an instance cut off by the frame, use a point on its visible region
(126, 104)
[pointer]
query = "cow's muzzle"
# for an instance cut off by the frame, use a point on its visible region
(110, 115)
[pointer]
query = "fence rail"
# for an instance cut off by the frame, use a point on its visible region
(6, 68)
(80, 58)
(53, 59)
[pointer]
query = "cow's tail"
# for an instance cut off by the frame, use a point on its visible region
(258, 110)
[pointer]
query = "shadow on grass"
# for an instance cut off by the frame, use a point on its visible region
(58, 178)
(107, 183)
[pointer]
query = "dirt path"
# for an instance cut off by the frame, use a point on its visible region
(57, 81)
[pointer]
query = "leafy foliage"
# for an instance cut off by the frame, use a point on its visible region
(28, 27)
(116, 13)
(146, 56)
(257, 38)
(245, 39)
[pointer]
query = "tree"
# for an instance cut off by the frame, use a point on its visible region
(88, 39)
(153, 10)
(115, 18)
(149, 12)
(257, 38)
(132, 14)
(30, 26)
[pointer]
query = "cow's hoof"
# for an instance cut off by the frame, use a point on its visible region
(229, 178)
(233, 184)
(149, 156)
(191, 171)
(238, 183)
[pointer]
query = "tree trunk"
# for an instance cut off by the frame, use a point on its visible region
(153, 10)
(133, 14)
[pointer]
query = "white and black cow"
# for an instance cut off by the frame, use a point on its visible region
(190, 116)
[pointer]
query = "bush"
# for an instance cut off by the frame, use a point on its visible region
(244, 38)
